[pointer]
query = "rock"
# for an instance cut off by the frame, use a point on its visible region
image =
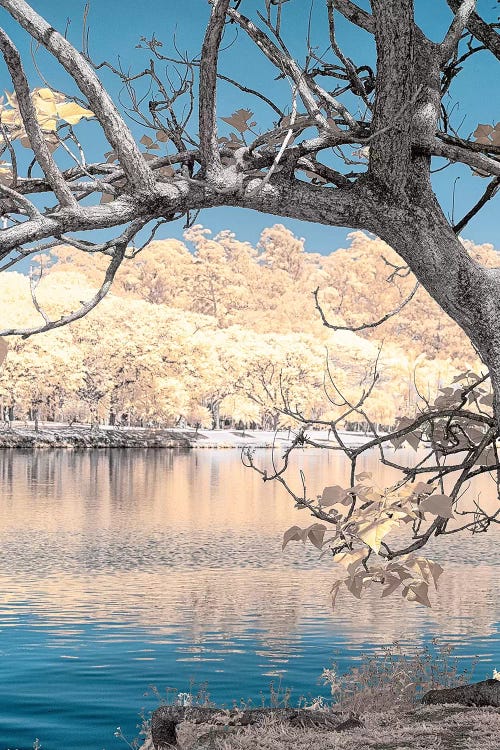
(485, 693)
(351, 723)
(165, 720)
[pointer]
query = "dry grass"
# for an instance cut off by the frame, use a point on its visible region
(394, 677)
(424, 728)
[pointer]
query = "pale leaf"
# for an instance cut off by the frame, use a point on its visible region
(417, 592)
(413, 439)
(5, 178)
(47, 123)
(351, 560)
(392, 583)
(45, 94)
(399, 569)
(438, 505)
(239, 120)
(422, 488)
(333, 494)
(435, 570)
(357, 582)
(316, 534)
(486, 400)
(397, 442)
(486, 458)
(364, 475)
(335, 590)
(294, 533)
(482, 133)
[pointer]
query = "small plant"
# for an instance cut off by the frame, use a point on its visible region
(395, 678)
(134, 744)
(279, 696)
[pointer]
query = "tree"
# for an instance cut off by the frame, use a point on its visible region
(394, 112)
(404, 124)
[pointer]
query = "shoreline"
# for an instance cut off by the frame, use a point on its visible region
(51, 435)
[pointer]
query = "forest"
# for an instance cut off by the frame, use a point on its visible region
(215, 332)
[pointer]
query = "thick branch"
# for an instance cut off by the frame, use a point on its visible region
(390, 151)
(293, 198)
(450, 42)
(481, 30)
(209, 146)
(355, 14)
(477, 161)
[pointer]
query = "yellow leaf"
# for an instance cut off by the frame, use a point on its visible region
(11, 117)
(350, 560)
(45, 110)
(73, 113)
(45, 93)
(47, 122)
(372, 532)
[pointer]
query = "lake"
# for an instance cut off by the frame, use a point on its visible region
(122, 569)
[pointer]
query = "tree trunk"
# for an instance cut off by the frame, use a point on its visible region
(466, 291)
(214, 408)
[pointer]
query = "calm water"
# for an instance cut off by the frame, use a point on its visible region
(123, 569)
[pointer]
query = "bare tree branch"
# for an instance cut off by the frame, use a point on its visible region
(364, 326)
(488, 194)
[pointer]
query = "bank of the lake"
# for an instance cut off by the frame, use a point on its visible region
(52, 435)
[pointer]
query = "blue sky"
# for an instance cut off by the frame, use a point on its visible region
(117, 25)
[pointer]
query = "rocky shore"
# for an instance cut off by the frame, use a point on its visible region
(51, 435)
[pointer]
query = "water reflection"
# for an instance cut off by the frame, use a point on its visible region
(172, 537)
(125, 565)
